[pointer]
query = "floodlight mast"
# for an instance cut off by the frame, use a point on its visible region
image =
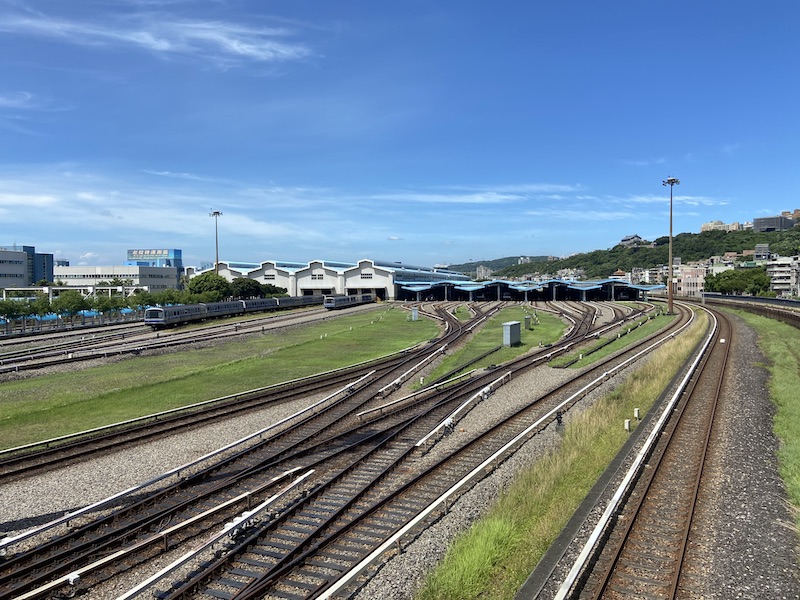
(671, 182)
(216, 214)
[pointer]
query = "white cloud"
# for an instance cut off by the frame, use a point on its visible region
(27, 200)
(221, 42)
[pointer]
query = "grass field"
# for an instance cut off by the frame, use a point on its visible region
(547, 330)
(52, 405)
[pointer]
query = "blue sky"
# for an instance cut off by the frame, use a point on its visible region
(417, 131)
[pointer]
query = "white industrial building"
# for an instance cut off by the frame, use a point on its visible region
(387, 281)
(154, 279)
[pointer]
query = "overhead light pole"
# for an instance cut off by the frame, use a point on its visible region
(671, 182)
(217, 214)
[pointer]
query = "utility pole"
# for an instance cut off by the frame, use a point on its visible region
(671, 182)
(217, 214)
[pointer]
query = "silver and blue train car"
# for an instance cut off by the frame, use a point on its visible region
(166, 316)
(259, 304)
(295, 301)
(224, 309)
(159, 317)
(337, 302)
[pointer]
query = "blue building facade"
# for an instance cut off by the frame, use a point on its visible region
(156, 258)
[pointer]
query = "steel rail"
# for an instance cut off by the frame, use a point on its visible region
(629, 480)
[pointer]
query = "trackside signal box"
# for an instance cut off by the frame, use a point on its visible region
(512, 333)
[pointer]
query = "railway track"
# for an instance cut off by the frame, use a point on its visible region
(355, 447)
(25, 460)
(92, 345)
(317, 424)
(642, 546)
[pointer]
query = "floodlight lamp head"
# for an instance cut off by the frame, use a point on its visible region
(671, 181)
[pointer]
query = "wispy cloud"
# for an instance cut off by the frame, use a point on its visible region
(224, 43)
(185, 176)
(521, 188)
(676, 199)
(474, 198)
(29, 200)
(643, 162)
(575, 214)
(17, 100)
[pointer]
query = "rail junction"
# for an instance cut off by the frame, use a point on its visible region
(308, 507)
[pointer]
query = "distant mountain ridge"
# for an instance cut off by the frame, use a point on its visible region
(495, 265)
(686, 246)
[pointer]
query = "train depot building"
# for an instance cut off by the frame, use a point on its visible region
(396, 281)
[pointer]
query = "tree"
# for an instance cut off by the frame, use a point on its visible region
(40, 305)
(210, 285)
(169, 297)
(119, 281)
(753, 281)
(109, 304)
(244, 288)
(10, 310)
(69, 303)
(270, 291)
(140, 299)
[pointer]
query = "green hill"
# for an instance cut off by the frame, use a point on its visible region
(495, 265)
(686, 246)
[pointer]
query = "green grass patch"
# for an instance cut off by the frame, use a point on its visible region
(781, 344)
(52, 405)
(546, 329)
(462, 313)
(628, 335)
(534, 509)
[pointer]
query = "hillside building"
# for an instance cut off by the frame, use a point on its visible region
(720, 226)
(690, 280)
(631, 240)
(777, 223)
(483, 272)
(761, 252)
(784, 274)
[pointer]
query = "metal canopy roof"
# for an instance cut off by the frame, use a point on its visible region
(525, 286)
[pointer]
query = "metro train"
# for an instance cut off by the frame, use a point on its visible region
(336, 302)
(159, 317)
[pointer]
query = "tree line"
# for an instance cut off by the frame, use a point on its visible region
(687, 246)
(208, 287)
